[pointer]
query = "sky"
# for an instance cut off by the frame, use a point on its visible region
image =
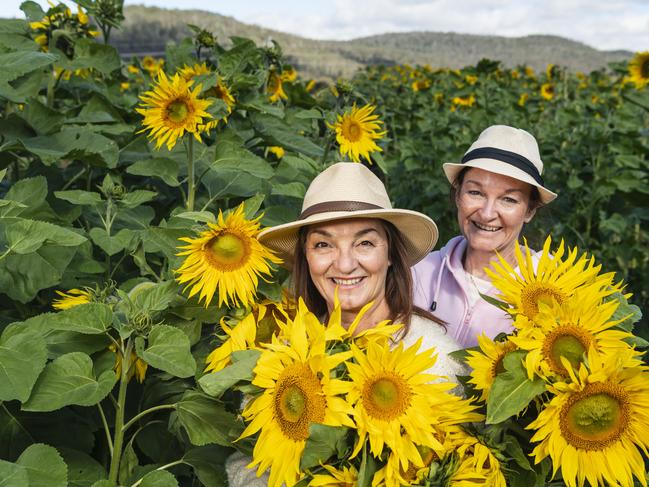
(602, 24)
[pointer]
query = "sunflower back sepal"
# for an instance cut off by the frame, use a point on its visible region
(243, 362)
(512, 390)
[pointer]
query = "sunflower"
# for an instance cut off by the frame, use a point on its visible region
(74, 297)
(463, 101)
(547, 91)
(420, 85)
(278, 151)
(471, 79)
(639, 69)
(189, 72)
(297, 391)
(222, 92)
(596, 427)
(257, 328)
(553, 278)
(394, 475)
(391, 395)
(487, 362)
(347, 477)
(566, 332)
(171, 109)
(289, 74)
(477, 464)
(137, 368)
(275, 88)
(356, 132)
(522, 100)
(228, 257)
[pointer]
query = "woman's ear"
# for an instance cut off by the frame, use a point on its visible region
(530, 214)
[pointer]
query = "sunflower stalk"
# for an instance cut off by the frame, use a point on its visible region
(119, 413)
(191, 189)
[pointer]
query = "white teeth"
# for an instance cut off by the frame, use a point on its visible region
(347, 282)
(486, 228)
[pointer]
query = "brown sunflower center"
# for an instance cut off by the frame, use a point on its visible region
(569, 342)
(177, 111)
(298, 401)
(596, 417)
(386, 396)
(352, 130)
(537, 293)
(644, 68)
(229, 251)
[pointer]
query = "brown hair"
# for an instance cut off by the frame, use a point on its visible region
(534, 202)
(398, 284)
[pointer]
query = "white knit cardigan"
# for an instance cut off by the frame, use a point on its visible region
(433, 336)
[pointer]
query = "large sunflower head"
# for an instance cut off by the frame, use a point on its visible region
(392, 395)
(546, 278)
(228, 258)
(295, 376)
(564, 333)
(171, 109)
(487, 362)
(597, 426)
(74, 297)
(356, 132)
(639, 69)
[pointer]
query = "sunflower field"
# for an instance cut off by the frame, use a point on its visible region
(138, 310)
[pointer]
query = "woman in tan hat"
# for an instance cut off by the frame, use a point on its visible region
(348, 237)
(497, 188)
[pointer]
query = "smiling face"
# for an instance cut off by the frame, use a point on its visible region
(491, 210)
(352, 255)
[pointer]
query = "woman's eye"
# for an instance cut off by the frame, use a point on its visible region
(510, 200)
(320, 245)
(473, 192)
(367, 243)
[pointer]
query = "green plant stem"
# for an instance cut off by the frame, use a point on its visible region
(119, 415)
(109, 440)
(190, 174)
(330, 142)
(74, 178)
(135, 418)
(164, 467)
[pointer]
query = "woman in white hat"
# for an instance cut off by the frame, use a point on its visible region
(497, 188)
(349, 237)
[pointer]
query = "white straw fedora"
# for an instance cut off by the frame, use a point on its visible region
(508, 151)
(351, 190)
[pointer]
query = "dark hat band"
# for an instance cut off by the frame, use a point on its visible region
(511, 158)
(331, 206)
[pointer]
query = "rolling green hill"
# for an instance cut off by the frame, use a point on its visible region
(148, 29)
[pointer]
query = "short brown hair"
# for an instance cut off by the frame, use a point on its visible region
(398, 283)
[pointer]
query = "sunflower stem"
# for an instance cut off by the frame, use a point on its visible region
(140, 415)
(119, 414)
(109, 440)
(190, 174)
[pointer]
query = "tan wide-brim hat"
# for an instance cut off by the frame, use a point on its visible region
(350, 190)
(508, 151)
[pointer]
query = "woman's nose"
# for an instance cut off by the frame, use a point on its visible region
(488, 209)
(346, 261)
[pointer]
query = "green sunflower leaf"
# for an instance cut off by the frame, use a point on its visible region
(23, 355)
(44, 466)
(164, 168)
(27, 236)
(208, 464)
(243, 362)
(511, 391)
(206, 421)
(168, 350)
(88, 318)
(159, 478)
(68, 380)
(323, 442)
(13, 475)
